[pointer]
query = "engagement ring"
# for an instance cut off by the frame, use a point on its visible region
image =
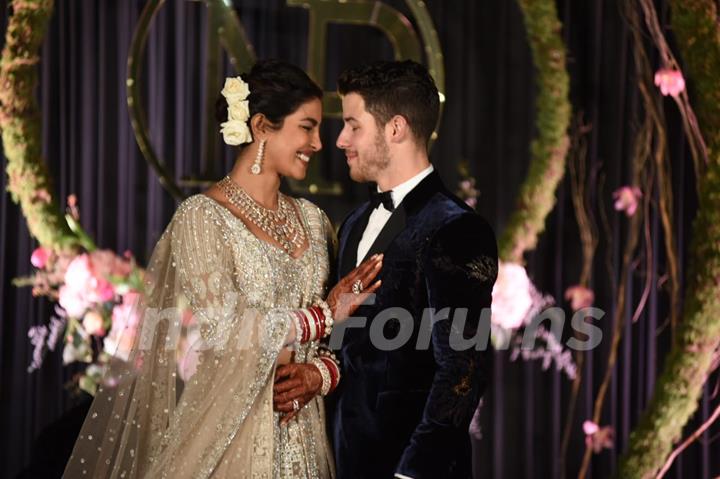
(357, 287)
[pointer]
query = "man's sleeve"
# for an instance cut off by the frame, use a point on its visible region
(460, 268)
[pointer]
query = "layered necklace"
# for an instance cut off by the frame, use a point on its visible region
(282, 225)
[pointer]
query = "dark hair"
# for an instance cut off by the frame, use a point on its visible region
(277, 89)
(396, 88)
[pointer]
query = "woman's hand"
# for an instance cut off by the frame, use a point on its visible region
(354, 288)
(295, 381)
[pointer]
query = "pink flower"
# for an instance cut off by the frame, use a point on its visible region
(78, 273)
(72, 301)
(590, 428)
(103, 290)
(87, 279)
(579, 296)
(515, 300)
(93, 323)
(81, 288)
(105, 263)
(125, 313)
(626, 199)
(40, 257)
(598, 438)
(468, 192)
(671, 82)
(121, 337)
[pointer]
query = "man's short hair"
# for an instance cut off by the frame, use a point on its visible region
(396, 88)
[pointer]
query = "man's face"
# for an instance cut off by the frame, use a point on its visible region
(363, 141)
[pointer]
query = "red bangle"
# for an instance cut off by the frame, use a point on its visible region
(333, 370)
(304, 334)
(308, 337)
(314, 320)
(319, 318)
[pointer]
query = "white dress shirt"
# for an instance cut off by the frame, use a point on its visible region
(380, 215)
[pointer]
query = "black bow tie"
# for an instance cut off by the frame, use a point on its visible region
(385, 198)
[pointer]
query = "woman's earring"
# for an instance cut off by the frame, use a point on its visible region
(257, 165)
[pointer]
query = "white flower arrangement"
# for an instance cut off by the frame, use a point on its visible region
(235, 131)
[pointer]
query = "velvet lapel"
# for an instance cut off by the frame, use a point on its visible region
(395, 224)
(412, 202)
(348, 253)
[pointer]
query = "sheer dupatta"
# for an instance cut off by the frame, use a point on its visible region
(140, 425)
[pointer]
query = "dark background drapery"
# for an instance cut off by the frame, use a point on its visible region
(488, 122)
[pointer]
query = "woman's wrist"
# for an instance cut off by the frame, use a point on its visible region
(315, 322)
(330, 363)
(325, 374)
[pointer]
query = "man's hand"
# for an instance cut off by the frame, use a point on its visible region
(298, 381)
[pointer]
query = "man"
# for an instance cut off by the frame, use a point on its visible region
(404, 411)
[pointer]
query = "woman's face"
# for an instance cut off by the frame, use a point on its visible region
(288, 150)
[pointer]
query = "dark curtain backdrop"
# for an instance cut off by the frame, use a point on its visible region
(488, 122)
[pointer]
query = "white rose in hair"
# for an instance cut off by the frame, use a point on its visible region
(235, 89)
(235, 132)
(240, 110)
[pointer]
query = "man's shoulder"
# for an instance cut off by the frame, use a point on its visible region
(444, 209)
(458, 224)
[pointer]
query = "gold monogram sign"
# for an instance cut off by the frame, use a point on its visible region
(226, 32)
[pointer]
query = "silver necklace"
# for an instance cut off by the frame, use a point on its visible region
(282, 225)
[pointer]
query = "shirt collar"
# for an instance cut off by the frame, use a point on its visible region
(401, 190)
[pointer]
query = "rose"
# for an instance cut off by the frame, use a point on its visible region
(239, 110)
(78, 273)
(235, 89)
(87, 280)
(93, 323)
(235, 132)
(40, 257)
(72, 301)
(102, 290)
(83, 285)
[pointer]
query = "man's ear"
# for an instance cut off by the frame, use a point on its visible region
(398, 129)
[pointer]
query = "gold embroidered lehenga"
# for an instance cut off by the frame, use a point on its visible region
(220, 421)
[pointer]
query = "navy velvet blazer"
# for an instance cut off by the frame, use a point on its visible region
(407, 410)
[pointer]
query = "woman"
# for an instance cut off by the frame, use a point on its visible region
(251, 264)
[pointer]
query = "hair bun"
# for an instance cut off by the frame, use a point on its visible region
(277, 89)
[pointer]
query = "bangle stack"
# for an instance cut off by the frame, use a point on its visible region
(327, 316)
(313, 323)
(329, 370)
